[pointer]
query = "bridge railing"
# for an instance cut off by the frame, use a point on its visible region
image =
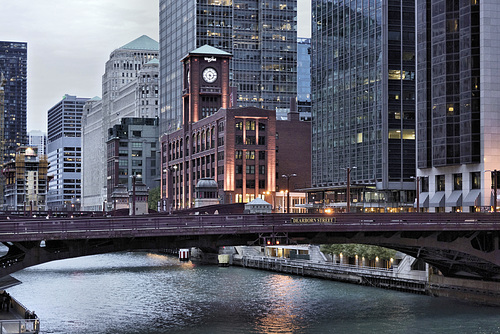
(147, 225)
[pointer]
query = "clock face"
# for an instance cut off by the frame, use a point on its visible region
(210, 75)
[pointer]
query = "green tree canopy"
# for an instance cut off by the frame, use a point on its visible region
(154, 197)
(367, 251)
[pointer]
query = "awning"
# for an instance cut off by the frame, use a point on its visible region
(438, 199)
(473, 198)
(455, 199)
(423, 200)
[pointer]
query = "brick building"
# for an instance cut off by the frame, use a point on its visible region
(235, 146)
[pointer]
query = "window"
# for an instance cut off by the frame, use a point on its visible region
(440, 183)
(239, 184)
(457, 181)
(262, 155)
(136, 133)
(262, 126)
(250, 140)
(475, 178)
(238, 140)
(262, 140)
(250, 169)
(238, 154)
(250, 125)
(425, 184)
(251, 184)
(262, 184)
(238, 169)
(239, 125)
(262, 169)
(250, 155)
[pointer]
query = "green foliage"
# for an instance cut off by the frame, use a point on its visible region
(154, 197)
(367, 251)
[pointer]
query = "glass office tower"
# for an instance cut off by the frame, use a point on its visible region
(64, 147)
(13, 65)
(363, 94)
(457, 108)
(261, 36)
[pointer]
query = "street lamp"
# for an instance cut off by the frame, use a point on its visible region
(348, 191)
(495, 183)
(417, 180)
(170, 170)
(133, 192)
(287, 177)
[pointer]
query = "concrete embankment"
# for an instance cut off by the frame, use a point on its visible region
(376, 277)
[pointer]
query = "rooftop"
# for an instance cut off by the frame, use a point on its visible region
(209, 50)
(142, 43)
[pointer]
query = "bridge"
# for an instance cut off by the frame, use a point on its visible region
(460, 245)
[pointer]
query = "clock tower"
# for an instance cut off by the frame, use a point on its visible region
(206, 83)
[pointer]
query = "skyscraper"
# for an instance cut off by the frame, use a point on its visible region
(13, 65)
(363, 95)
(65, 153)
(458, 96)
(261, 36)
(129, 89)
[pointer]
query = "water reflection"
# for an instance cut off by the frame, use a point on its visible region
(148, 293)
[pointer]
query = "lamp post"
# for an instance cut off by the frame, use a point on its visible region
(287, 177)
(495, 183)
(133, 194)
(134, 177)
(348, 190)
(170, 170)
(417, 180)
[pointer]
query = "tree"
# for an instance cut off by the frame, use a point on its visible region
(154, 197)
(367, 251)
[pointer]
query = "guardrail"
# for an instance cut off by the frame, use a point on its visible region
(151, 225)
(25, 326)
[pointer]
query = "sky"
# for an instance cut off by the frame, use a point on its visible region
(69, 42)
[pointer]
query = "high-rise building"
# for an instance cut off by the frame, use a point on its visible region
(129, 89)
(26, 180)
(65, 153)
(304, 78)
(458, 96)
(261, 37)
(13, 65)
(132, 147)
(363, 104)
(38, 139)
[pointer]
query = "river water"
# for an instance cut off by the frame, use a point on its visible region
(149, 293)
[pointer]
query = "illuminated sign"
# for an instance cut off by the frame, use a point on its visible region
(210, 59)
(313, 220)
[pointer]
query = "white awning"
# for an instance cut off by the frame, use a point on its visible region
(438, 199)
(455, 199)
(423, 199)
(473, 198)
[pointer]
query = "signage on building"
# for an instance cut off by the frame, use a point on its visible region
(210, 59)
(313, 220)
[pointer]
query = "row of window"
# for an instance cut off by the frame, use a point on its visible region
(475, 182)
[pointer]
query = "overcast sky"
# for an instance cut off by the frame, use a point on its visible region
(69, 41)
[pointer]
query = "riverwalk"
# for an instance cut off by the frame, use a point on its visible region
(376, 277)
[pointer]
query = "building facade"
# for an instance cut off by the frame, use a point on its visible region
(262, 37)
(304, 78)
(244, 149)
(131, 152)
(457, 105)
(363, 97)
(130, 88)
(13, 65)
(64, 131)
(38, 139)
(26, 181)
